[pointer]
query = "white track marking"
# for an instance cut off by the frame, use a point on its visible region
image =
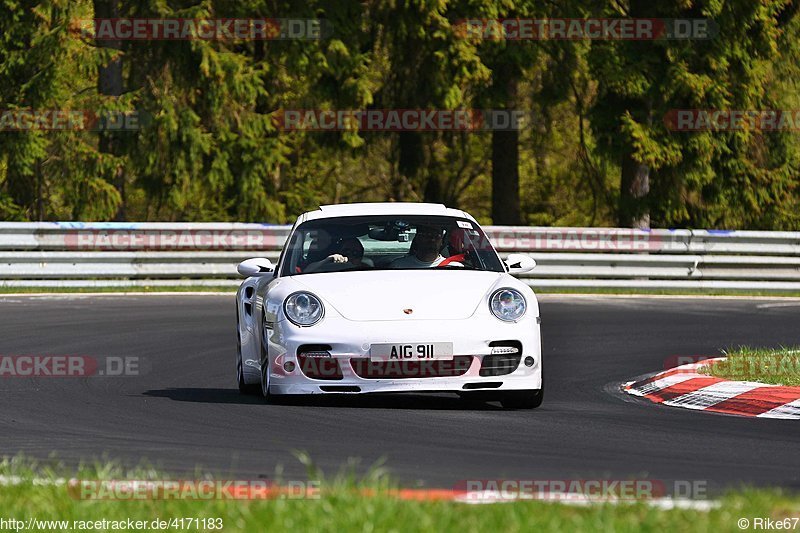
(601, 296)
(781, 304)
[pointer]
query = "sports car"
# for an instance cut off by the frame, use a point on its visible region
(389, 297)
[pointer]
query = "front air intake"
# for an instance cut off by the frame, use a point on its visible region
(316, 362)
(504, 359)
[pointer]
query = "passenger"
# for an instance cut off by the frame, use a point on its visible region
(424, 250)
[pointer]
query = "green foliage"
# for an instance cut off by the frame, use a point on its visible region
(777, 366)
(702, 179)
(208, 149)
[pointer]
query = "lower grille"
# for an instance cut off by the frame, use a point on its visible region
(339, 388)
(367, 369)
(499, 365)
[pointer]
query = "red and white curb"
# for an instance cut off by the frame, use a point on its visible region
(684, 386)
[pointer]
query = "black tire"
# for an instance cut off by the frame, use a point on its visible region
(244, 388)
(265, 383)
(268, 398)
(248, 389)
(524, 399)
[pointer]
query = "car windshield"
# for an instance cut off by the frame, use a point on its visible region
(388, 242)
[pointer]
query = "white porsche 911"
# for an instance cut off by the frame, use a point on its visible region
(389, 297)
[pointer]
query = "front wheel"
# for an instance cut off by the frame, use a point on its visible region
(265, 370)
(523, 399)
(265, 382)
(244, 387)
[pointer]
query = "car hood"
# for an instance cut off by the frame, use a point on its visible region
(387, 295)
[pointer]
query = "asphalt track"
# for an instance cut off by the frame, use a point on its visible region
(184, 411)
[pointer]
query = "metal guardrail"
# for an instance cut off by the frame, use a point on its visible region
(68, 254)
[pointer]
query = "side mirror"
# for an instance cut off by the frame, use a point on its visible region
(258, 266)
(519, 263)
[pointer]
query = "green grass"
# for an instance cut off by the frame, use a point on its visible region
(343, 507)
(779, 366)
(80, 290)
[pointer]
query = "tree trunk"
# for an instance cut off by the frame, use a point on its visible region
(505, 155)
(410, 160)
(109, 83)
(21, 187)
(634, 211)
(433, 190)
(39, 192)
(634, 187)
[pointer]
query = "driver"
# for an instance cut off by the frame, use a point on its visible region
(350, 255)
(424, 251)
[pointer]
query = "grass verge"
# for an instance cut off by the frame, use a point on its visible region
(777, 366)
(342, 506)
(112, 290)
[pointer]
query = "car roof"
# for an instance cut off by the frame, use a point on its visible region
(382, 208)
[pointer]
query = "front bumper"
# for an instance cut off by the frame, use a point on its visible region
(350, 341)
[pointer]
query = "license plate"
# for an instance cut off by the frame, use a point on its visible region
(427, 351)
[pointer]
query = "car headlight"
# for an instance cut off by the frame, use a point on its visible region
(303, 309)
(508, 305)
